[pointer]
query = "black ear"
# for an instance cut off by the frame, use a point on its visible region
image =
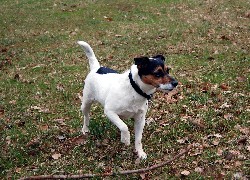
(160, 57)
(140, 61)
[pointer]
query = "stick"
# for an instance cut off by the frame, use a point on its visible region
(126, 172)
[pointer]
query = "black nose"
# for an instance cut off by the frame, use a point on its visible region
(174, 83)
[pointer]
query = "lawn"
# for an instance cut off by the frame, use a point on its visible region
(42, 69)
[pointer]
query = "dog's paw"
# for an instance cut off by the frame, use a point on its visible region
(125, 138)
(85, 130)
(142, 154)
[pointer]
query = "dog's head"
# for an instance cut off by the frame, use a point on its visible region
(153, 71)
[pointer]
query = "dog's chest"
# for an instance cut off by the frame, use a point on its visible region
(132, 108)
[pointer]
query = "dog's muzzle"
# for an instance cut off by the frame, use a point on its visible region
(168, 86)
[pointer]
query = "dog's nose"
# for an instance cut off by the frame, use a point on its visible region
(174, 83)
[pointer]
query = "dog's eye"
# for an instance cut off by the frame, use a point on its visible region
(158, 74)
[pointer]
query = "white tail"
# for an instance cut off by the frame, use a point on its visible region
(93, 62)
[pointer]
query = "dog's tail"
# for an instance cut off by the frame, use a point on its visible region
(93, 62)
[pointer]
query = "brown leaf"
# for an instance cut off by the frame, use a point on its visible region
(33, 142)
(18, 170)
(118, 35)
(185, 173)
(44, 127)
(13, 102)
(215, 142)
(243, 130)
(228, 116)
(224, 37)
(198, 170)
(171, 96)
(56, 156)
(229, 156)
(206, 87)
(79, 140)
(17, 77)
(183, 141)
(60, 87)
(1, 112)
(108, 18)
(8, 140)
(242, 140)
(219, 152)
(241, 79)
(224, 87)
(143, 175)
(197, 122)
(40, 109)
(60, 121)
(248, 148)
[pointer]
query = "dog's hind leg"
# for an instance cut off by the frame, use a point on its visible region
(85, 107)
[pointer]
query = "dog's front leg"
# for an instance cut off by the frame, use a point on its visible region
(114, 118)
(139, 125)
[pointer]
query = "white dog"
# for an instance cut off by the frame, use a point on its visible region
(124, 95)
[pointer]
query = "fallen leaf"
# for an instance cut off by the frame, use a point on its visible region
(183, 141)
(224, 87)
(198, 122)
(79, 140)
(241, 79)
(224, 37)
(185, 173)
(228, 116)
(225, 105)
(205, 87)
(242, 140)
(61, 137)
(220, 176)
(18, 170)
(118, 35)
(33, 142)
(60, 121)
(79, 96)
(237, 163)
(215, 142)
(40, 109)
(229, 156)
(137, 161)
(108, 18)
(1, 112)
(8, 140)
(248, 148)
(217, 135)
(44, 127)
(219, 152)
(143, 175)
(238, 175)
(243, 130)
(56, 156)
(13, 102)
(198, 169)
(60, 87)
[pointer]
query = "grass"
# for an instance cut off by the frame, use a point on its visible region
(42, 71)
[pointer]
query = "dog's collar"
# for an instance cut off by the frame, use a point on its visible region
(137, 88)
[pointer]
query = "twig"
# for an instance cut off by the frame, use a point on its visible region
(126, 172)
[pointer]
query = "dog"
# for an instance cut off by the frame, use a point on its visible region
(125, 95)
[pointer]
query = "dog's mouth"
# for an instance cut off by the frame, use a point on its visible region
(168, 86)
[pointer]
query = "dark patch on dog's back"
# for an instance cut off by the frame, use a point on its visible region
(105, 70)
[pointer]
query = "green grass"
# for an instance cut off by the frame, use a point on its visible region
(42, 70)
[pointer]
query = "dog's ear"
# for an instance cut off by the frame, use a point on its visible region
(159, 56)
(141, 61)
